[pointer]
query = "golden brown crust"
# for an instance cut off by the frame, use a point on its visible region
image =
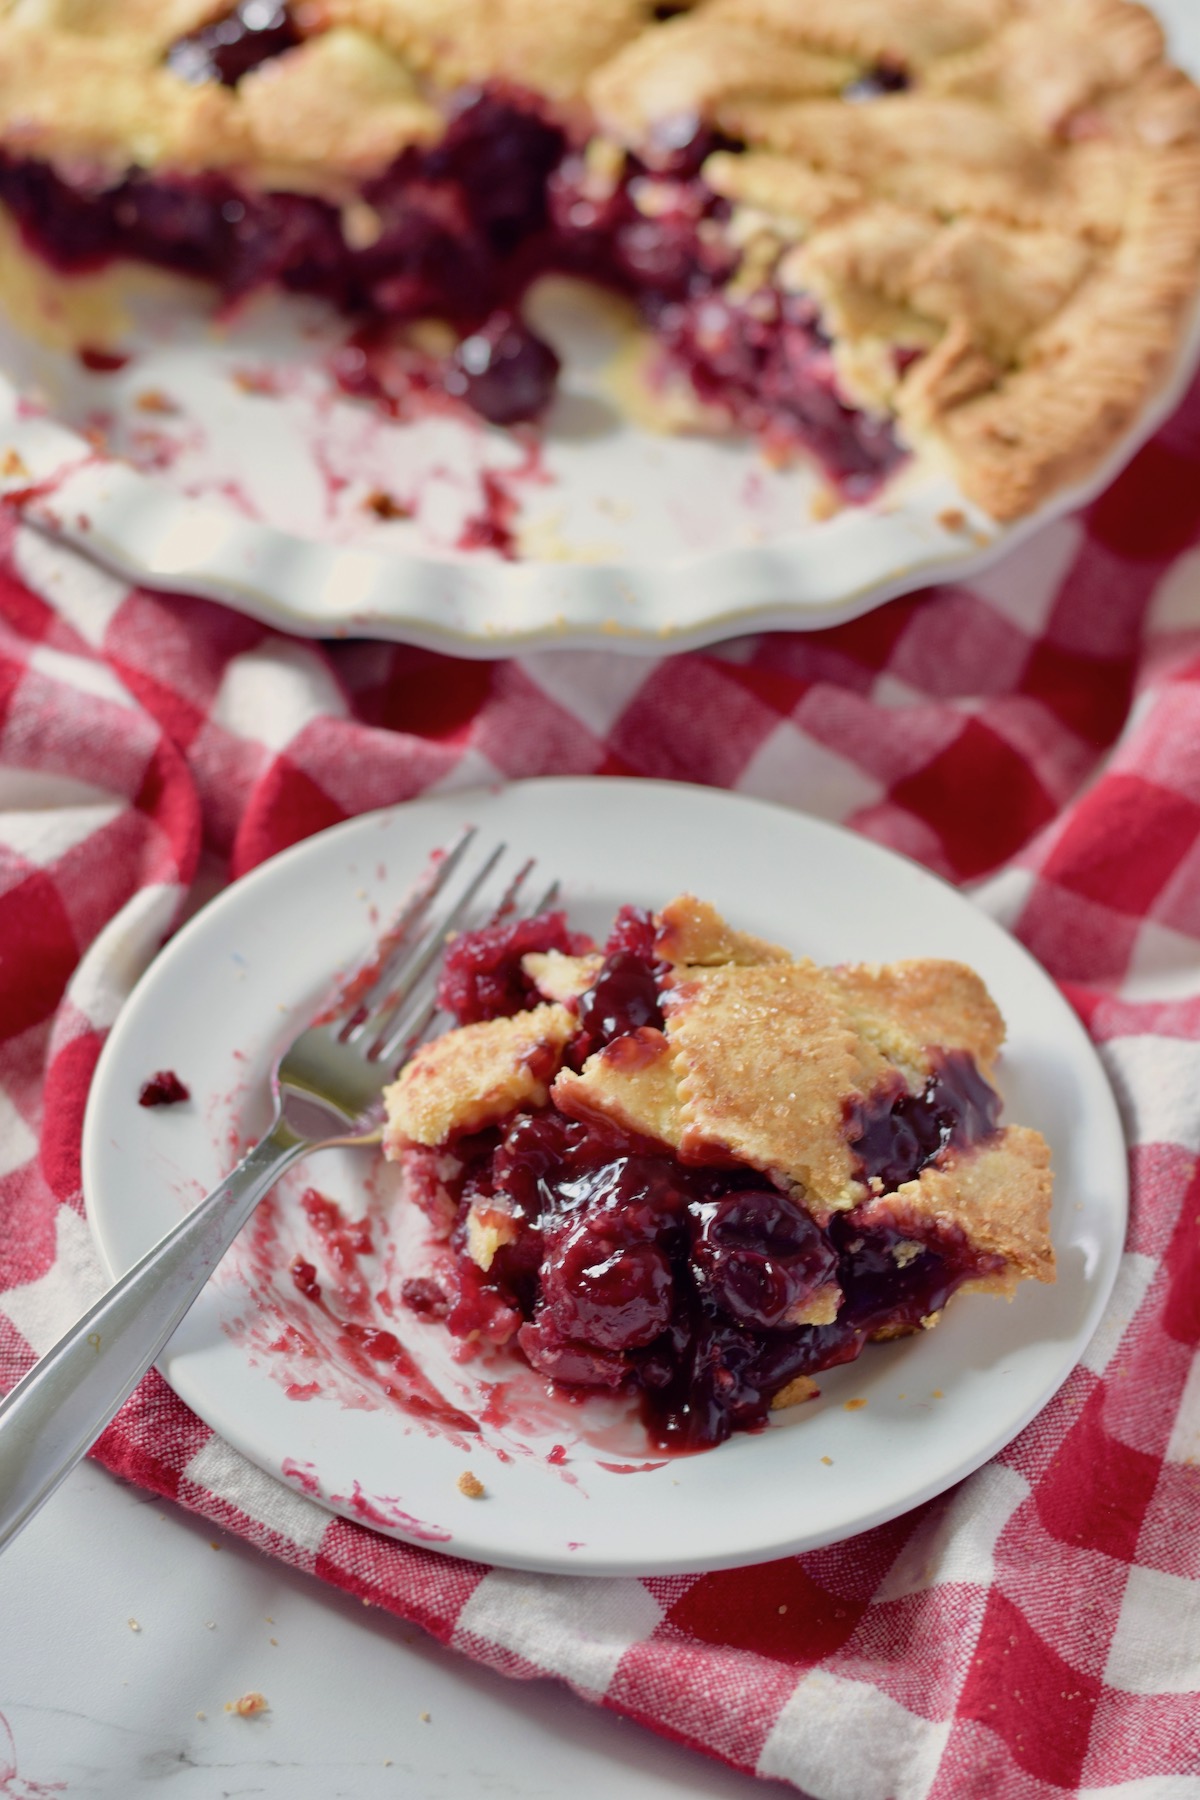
(489, 1228)
(65, 97)
(544, 45)
(341, 101)
(798, 1389)
(911, 33)
(630, 1083)
(1024, 216)
(766, 1062)
(559, 977)
(87, 78)
(693, 931)
(908, 1008)
(474, 1076)
(691, 66)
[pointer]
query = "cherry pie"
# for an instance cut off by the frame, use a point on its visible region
(855, 228)
(690, 1166)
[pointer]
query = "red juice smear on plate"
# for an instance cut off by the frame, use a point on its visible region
(102, 362)
(385, 1511)
(301, 1474)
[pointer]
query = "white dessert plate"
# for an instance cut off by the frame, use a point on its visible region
(252, 487)
(575, 1488)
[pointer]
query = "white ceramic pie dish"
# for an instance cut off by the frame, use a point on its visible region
(936, 1406)
(629, 540)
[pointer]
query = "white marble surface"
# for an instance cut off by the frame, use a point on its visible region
(90, 1706)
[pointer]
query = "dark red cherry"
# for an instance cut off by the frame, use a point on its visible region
(601, 1290)
(623, 997)
(759, 1256)
(503, 371)
(576, 1365)
(229, 47)
(163, 1089)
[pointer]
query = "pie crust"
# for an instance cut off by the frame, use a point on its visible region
(971, 225)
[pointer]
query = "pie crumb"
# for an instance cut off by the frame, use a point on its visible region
(133, 1625)
(828, 1461)
(798, 1389)
(424, 1718)
(202, 1715)
(824, 504)
(385, 505)
(853, 1405)
(471, 1486)
(153, 400)
(254, 381)
(248, 1706)
(952, 518)
(12, 464)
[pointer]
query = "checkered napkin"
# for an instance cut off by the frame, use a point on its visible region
(1035, 1632)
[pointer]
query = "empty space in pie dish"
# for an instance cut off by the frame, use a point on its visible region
(249, 419)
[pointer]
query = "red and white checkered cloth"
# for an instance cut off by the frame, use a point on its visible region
(1034, 1633)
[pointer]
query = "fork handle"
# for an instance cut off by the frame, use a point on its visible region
(57, 1411)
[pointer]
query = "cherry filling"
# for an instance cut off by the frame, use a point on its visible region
(885, 78)
(623, 999)
(481, 974)
(896, 1136)
(228, 48)
(759, 1257)
(459, 230)
(767, 362)
(163, 1089)
(893, 1279)
(503, 371)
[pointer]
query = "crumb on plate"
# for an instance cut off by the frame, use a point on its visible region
(248, 1706)
(386, 506)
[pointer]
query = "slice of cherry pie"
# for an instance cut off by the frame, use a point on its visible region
(855, 228)
(692, 1167)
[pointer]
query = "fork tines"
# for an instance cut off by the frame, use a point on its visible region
(389, 1003)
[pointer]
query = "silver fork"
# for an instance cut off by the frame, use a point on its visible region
(327, 1087)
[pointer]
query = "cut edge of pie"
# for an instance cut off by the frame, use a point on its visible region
(962, 227)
